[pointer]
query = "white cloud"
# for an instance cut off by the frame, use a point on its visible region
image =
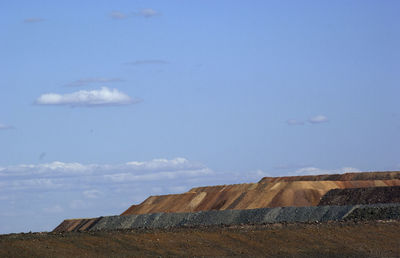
(33, 20)
(6, 127)
(147, 13)
(164, 175)
(101, 97)
(148, 62)
(85, 81)
(294, 122)
(318, 119)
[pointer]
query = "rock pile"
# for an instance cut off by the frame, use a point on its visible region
(272, 200)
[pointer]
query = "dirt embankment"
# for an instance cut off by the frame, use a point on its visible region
(368, 195)
(269, 192)
(336, 239)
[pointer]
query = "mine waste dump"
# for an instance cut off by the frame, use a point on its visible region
(319, 198)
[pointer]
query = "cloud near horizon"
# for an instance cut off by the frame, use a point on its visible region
(58, 190)
(101, 97)
(61, 175)
(319, 171)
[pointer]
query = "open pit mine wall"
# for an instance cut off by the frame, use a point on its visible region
(240, 217)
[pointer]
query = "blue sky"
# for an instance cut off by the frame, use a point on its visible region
(104, 103)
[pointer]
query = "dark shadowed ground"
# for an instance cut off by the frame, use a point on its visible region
(333, 239)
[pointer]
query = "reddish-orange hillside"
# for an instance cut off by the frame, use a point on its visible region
(268, 192)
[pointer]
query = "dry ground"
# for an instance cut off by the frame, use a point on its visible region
(334, 239)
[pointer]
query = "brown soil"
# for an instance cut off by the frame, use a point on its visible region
(336, 239)
(369, 195)
(268, 193)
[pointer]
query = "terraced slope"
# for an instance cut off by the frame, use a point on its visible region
(269, 192)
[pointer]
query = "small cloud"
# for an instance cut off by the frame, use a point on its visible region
(148, 62)
(6, 127)
(318, 119)
(33, 20)
(118, 15)
(147, 13)
(294, 122)
(53, 209)
(102, 97)
(85, 81)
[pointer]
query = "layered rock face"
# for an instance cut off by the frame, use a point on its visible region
(267, 193)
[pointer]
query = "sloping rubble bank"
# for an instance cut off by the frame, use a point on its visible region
(367, 195)
(239, 217)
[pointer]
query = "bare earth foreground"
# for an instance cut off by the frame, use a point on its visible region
(331, 239)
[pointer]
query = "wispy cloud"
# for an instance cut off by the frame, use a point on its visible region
(101, 97)
(147, 13)
(82, 189)
(86, 81)
(320, 171)
(294, 122)
(33, 20)
(312, 120)
(318, 119)
(6, 127)
(61, 175)
(118, 15)
(148, 62)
